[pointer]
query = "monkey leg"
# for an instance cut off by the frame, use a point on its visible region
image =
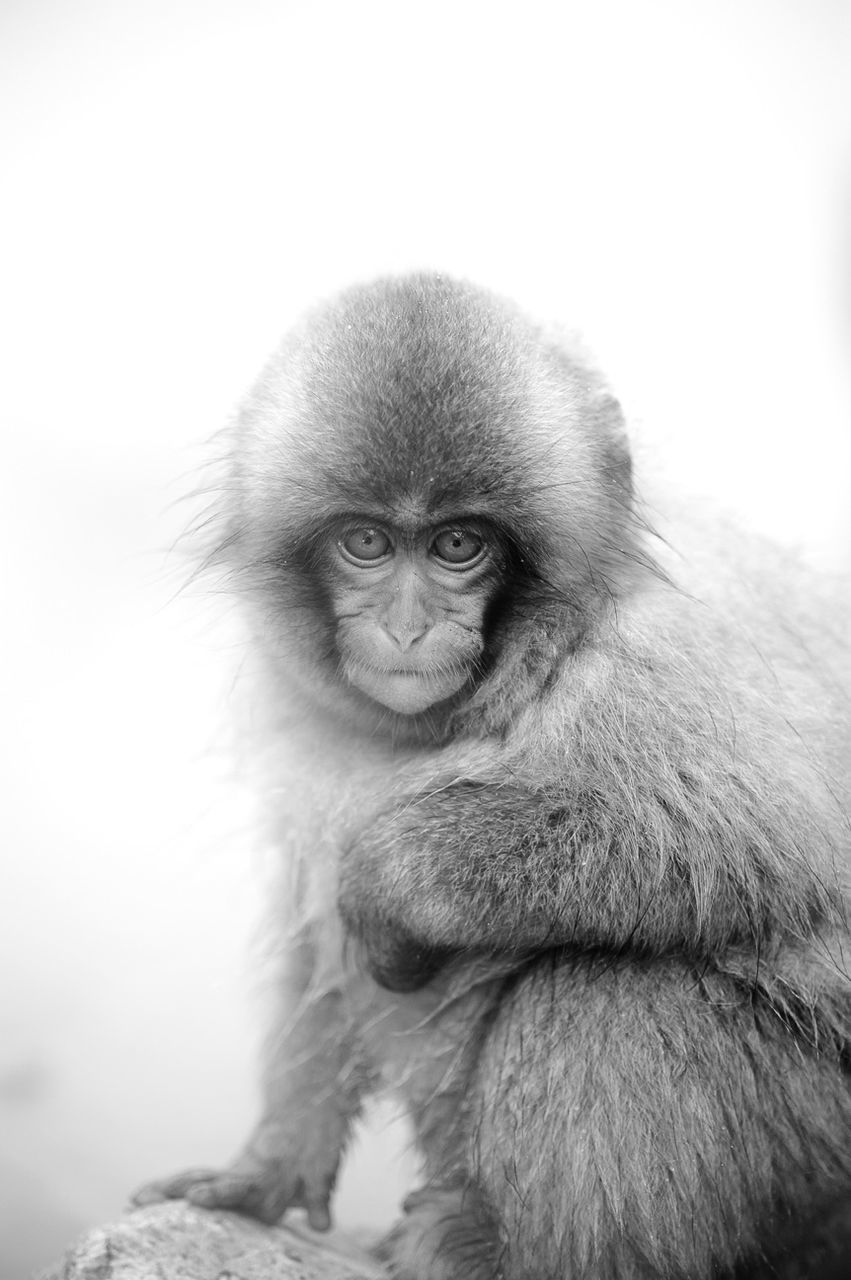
(643, 1119)
(446, 1234)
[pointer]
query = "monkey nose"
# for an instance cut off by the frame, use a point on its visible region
(403, 634)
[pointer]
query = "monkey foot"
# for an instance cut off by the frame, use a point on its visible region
(445, 1235)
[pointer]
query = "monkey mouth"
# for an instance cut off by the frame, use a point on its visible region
(407, 690)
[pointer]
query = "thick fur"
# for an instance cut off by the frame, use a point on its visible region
(588, 917)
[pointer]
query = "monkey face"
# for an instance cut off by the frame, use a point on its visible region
(420, 483)
(409, 603)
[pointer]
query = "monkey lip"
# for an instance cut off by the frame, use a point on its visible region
(405, 689)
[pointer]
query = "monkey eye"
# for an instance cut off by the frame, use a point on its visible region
(460, 548)
(365, 545)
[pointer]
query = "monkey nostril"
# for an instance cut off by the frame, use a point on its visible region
(405, 637)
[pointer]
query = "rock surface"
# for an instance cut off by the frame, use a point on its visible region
(176, 1241)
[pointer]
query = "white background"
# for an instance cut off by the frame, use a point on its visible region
(178, 180)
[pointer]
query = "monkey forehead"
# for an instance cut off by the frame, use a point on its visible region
(417, 376)
(427, 394)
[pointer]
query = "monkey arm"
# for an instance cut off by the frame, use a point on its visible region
(312, 1091)
(482, 868)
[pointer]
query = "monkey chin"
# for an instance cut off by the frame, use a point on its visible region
(406, 692)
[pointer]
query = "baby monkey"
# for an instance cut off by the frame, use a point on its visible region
(563, 814)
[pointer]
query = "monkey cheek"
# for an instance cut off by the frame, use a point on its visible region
(407, 692)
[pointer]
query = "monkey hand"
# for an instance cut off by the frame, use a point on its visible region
(466, 869)
(396, 959)
(259, 1185)
(394, 950)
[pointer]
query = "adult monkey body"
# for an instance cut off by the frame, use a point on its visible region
(585, 820)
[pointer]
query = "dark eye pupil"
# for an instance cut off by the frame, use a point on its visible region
(365, 544)
(457, 546)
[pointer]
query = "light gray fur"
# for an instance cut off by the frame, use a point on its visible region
(610, 881)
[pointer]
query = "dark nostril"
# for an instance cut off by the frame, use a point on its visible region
(405, 637)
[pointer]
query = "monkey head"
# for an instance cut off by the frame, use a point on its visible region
(419, 474)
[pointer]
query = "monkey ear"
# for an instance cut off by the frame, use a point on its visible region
(590, 533)
(592, 412)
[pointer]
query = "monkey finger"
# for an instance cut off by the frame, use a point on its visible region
(318, 1212)
(403, 964)
(260, 1197)
(173, 1188)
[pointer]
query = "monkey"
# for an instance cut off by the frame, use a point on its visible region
(562, 800)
